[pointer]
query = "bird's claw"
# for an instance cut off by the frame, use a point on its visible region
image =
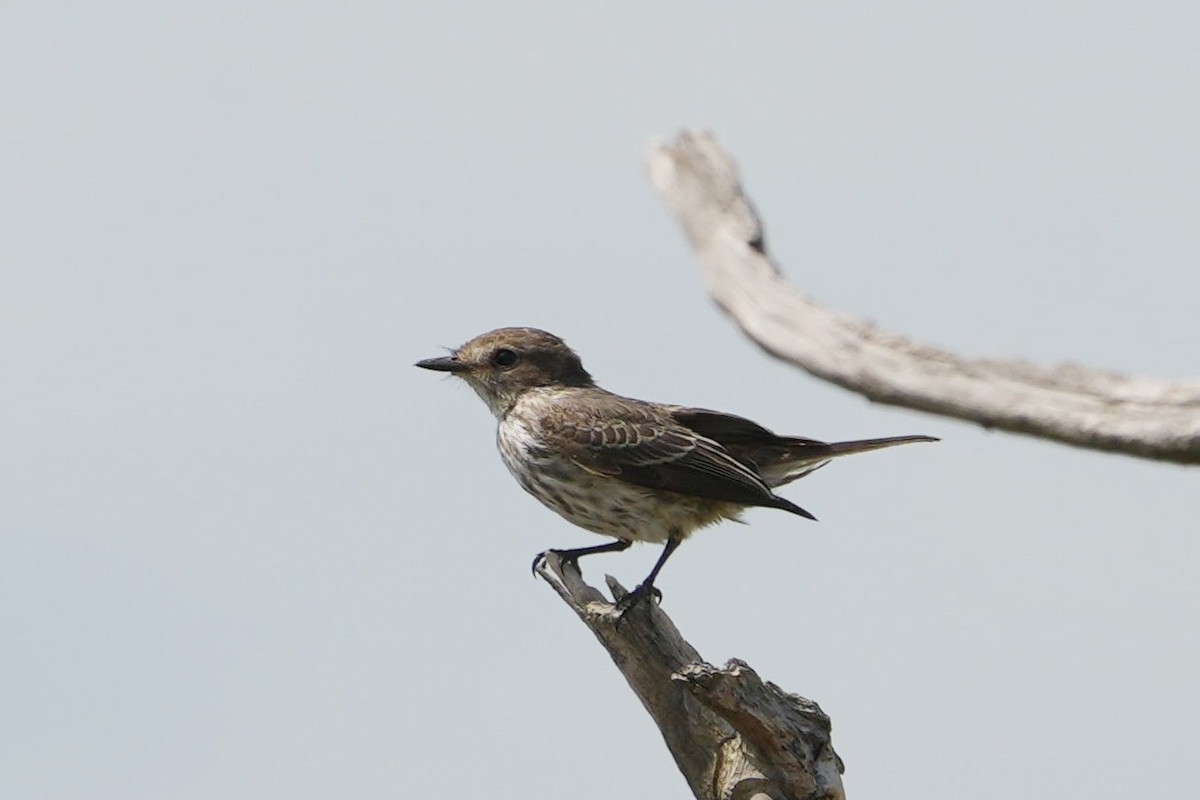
(538, 560)
(565, 555)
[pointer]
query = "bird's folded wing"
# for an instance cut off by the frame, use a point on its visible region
(650, 449)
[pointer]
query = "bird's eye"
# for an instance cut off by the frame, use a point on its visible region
(504, 357)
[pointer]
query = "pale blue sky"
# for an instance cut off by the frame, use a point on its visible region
(247, 551)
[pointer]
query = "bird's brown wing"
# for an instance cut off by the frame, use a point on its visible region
(646, 447)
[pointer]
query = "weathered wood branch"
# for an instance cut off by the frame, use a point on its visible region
(1073, 404)
(733, 736)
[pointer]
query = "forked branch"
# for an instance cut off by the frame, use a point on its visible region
(731, 734)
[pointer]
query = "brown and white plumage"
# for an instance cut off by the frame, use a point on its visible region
(627, 468)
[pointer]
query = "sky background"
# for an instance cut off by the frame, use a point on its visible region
(247, 551)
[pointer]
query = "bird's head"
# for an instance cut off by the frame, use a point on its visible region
(502, 364)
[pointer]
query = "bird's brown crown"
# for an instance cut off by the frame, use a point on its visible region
(503, 363)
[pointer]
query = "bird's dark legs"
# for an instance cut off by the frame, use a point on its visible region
(642, 590)
(672, 543)
(572, 556)
(646, 588)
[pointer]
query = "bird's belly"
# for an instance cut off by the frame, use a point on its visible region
(602, 504)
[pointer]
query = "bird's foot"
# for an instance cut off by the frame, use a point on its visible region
(641, 593)
(568, 559)
(538, 560)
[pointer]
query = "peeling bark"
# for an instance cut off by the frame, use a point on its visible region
(732, 735)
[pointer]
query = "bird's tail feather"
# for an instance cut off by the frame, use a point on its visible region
(799, 457)
(863, 445)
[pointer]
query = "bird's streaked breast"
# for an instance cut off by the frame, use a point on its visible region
(596, 502)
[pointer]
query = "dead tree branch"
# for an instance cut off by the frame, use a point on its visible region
(1076, 405)
(733, 736)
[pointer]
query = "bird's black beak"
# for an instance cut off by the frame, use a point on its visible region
(443, 364)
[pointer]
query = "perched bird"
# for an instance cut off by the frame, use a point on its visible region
(626, 468)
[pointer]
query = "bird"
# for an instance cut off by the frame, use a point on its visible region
(628, 469)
